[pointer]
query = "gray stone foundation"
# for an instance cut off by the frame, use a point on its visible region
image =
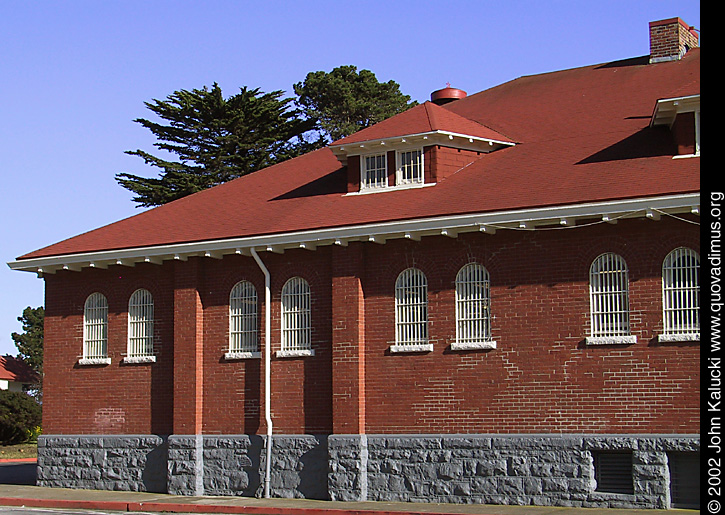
(128, 462)
(541, 470)
(545, 470)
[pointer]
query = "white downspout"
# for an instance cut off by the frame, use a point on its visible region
(267, 368)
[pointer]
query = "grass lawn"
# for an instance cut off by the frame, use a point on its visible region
(25, 450)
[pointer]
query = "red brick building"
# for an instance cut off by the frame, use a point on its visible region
(488, 298)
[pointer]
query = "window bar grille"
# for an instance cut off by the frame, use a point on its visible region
(411, 167)
(296, 326)
(243, 318)
(411, 299)
(681, 292)
(95, 327)
(609, 296)
(375, 171)
(472, 304)
(141, 324)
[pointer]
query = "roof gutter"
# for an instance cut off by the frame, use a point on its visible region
(607, 211)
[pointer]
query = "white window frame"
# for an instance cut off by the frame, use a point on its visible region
(95, 330)
(400, 173)
(243, 322)
(697, 132)
(609, 301)
(681, 296)
(473, 309)
(411, 312)
(140, 341)
(378, 182)
(296, 319)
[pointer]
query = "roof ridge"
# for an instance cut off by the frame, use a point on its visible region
(429, 114)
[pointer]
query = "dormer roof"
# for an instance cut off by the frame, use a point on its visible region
(426, 121)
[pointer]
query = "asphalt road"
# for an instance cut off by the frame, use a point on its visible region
(17, 473)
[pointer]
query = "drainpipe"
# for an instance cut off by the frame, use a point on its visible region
(267, 368)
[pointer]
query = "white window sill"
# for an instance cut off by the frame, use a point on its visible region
(611, 340)
(686, 156)
(233, 355)
(473, 345)
(368, 190)
(679, 337)
(294, 353)
(418, 347)
(94, 361)
(139, 359)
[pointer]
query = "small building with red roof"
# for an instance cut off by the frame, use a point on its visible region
(15, 374)
(489, 298)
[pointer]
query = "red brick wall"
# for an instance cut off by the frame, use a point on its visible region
(118, 398)
(540, 378)
(441, 162)
(301, 387)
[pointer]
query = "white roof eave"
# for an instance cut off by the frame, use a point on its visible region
(608, 211)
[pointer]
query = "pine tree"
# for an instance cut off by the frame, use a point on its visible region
(216, 139)
(30, 344)
(345, 101)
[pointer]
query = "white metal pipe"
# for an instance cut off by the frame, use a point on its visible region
(267, 367)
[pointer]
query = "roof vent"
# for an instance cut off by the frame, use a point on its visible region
(670, 39)
(447, 94)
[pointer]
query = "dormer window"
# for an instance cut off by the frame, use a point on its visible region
(373, 171)
(410, 167)
(682, 116)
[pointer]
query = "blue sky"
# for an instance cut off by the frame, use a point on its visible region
(75, 74)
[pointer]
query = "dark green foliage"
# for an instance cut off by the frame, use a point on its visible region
(20, 415)
(216, 140)
(345, 101)
(30, 344)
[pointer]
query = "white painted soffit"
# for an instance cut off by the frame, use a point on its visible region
(438, 137)
(560, 217)
(666, 109)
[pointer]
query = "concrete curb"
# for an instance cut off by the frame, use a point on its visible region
(175, 507)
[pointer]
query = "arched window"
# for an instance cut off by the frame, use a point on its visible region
(296, 324)
(243, 319)
(473, 308)
(141, 325)
(411, 308)
(681, 294)
(95, 328)
(609, 300)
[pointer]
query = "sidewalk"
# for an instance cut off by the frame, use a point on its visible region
(34, 496)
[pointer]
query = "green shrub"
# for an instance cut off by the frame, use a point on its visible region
(20, 414)
(32, 434)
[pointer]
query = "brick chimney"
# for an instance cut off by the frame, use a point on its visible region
(670, 39)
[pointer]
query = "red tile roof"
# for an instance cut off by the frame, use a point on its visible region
(582, 136)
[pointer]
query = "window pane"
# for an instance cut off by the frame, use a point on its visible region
(374, 171)
(296, 325)
(410, 167)
(141, 324)
(473, 316)
(609, 296)
(411, 308)
(95, 327)
(243, 318)
(681, 292)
